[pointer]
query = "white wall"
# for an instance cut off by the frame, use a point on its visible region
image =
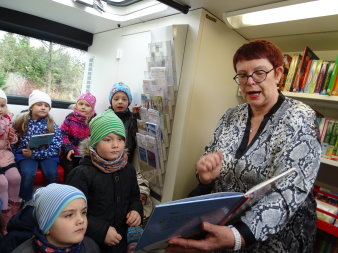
(58, 115)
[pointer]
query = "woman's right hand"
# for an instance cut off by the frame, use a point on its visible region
(69, 155)
(112, 237)
(209, 166)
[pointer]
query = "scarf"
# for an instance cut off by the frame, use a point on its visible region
(43, 246)
(108, 166)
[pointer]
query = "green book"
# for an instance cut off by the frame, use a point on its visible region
(332, 78)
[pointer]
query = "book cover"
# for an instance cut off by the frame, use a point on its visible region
(335, 88)
(183, 218)
(307, 70)
(332, 140)
(327, 137)
(40, 140)
(310, 76)
(327, 78)
(315, 76)
(321, 76)
(292, 72)
(286, 65)
(333, 77)
(308, 54)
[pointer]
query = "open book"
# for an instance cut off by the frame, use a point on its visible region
(183, 218)
(40, 140)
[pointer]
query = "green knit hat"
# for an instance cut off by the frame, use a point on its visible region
(103, 124)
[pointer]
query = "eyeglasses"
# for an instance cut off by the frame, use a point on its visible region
(258, 76)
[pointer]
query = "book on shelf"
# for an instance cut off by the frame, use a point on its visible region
(327, 136)
(310, 76)
(332, 139)
(333, 77)
(335, 88)
(321, 77)
(286, 66)
(307, 70)
(40, 140)
(183, 218)
(327, 78)
(307, 55)
(315, 76)
(292, 72)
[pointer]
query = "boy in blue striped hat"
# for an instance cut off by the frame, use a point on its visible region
(60, 211)
(109, 183)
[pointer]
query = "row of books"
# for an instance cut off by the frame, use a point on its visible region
(328, 129)
(309, 74)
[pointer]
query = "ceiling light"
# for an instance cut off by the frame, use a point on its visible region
(281, 12)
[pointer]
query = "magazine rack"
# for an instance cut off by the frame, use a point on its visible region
(323, 225)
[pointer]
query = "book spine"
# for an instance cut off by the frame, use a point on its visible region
(292, 71)
(310, 76)
(304, 78)
(315, 76)
(321, 77)
(327, 137)
(335, 88)
(327, 78)
(332, 78)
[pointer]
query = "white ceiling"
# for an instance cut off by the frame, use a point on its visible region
(289, 36)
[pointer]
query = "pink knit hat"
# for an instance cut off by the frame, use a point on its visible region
(91, 99)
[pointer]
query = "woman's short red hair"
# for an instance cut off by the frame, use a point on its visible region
(259, 49)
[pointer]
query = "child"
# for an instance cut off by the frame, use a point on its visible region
(36, 121)
(9, 174)
(60, 211)
(75, 129)
(109, 182)
(120, 98)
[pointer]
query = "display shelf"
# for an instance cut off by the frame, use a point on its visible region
(329, 162)
(314, 99)
(323, 225)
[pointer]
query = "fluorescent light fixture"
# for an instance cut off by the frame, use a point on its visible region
(281, 12)
(120, 14)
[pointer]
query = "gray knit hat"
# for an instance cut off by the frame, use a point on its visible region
(103, 124)
(50, 201)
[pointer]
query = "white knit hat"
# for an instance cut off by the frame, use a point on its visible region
(50, 201)
(3, 95)
(38, 96)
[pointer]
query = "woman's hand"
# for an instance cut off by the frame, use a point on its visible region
(69, 155)
(11, 133)
(112, 237)
(217, 237)
(133, 218)
(209, 166)
(27, 152)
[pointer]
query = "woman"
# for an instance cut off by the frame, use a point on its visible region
(252, 142)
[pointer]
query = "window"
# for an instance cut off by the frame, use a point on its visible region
(27, 63)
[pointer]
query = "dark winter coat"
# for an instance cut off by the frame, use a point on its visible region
(110, 197)
(130, 124)
(88, 246)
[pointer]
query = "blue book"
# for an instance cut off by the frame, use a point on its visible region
(183, 218)
(40, 140)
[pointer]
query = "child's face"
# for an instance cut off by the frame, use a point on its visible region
(84, 107)
(120, 101)
(70, 227)
(3, 106)
(110, 147)
(40, 110)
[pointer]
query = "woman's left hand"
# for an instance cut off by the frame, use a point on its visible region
(133, 218)
(217, 237)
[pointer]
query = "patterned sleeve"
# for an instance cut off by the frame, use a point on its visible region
(294, 143)
(66, 144)
(52, 150)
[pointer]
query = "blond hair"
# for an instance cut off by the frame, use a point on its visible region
(21, 123)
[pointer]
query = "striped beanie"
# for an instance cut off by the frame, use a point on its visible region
(120, 87)
(50, 201)
(103, 124)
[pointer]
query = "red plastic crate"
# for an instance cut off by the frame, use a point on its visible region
(323, 225)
